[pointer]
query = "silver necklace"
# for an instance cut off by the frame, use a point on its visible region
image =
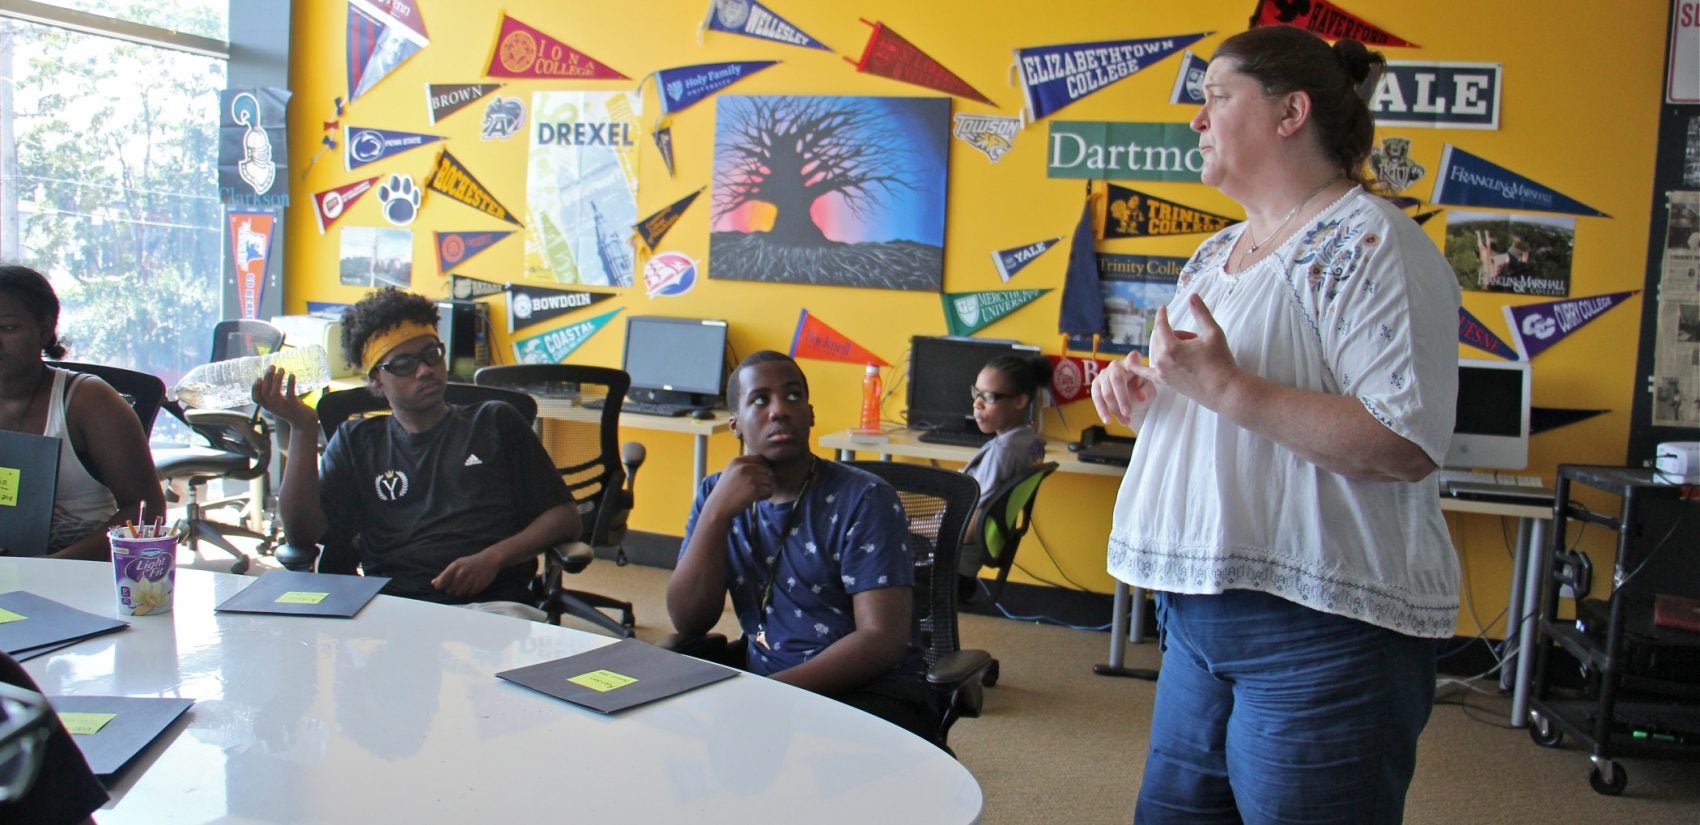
(1255, 243)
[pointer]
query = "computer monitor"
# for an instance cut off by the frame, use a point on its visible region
(1492, 428)
(675, 360)
(464, 328)
(942, 369)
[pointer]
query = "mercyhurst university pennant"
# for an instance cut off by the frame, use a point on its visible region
(968, 312)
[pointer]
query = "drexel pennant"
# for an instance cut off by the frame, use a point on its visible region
(1054, 76)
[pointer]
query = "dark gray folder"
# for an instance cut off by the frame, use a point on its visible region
(614, 677)
(46, 624)
(305, 594)
(138, 721)
(29, 474)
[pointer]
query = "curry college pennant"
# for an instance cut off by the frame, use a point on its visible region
(330, 204)
(444, 99)
(1011, 261)
(967, 312)
(250, 250)
(532, 305)
(1189, 80)
(1130, 213)
(991, 134)
(663, 137)
(1054, 76)
(362, 146)
(653, 228)
(456, 248)
(1325, 19)
(683, 86)
(752, 19)
(554, 346)
(814, 339)
(1535, 327)
(1071, 376)
(381, 35)
(451, 178)
(1473, 332)
(523, 51)
(1467, 180)
(465, 289)
(889, 55)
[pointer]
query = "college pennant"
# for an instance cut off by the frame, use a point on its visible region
(450, 177)
(444, 99)
(1467, 180)
(250, 251)
(465, 289)
(814, 339)
(1325, 19)
(1072, 376)
(652, 229)
(752, 19)
(1542, 419)
(1082, 311)
(889, 55)
(1130, 213)
(1473, 332)
(1535, 327)
(1011, 261)
(381, 35)
(523, 51)
(663, 137)
(1189, 80)
(968, 312)
(1054, 76)
(362, 146)
(532, 305)
(456, 248)
(330, 204)
(1423, 217)
(554, 346)
(681, 87)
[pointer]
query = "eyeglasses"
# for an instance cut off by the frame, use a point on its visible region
(988, 397)
(406, 365)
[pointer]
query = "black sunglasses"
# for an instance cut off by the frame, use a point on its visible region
(406, 365)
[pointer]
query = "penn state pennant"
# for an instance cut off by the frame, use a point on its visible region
(554, 346)
(968, 312)
(752, 19)
(1054, 76)
(456, 248)
(1467, 180)
(1011, 261)
(444, 99)
(362, 145)
(532, 305)
(1130, 213)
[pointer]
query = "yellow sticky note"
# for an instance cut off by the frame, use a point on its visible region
(9, 486)
(301, 597)
(602, 681)
(85, 724)
(9, 616)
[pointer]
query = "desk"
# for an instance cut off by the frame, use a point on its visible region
(396, 716)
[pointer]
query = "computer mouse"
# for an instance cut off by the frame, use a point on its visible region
(1074, 446)
(702, 413)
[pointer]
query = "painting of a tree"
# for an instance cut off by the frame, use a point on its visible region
(847, 191)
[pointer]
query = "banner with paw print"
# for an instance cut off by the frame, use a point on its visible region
(399, 198)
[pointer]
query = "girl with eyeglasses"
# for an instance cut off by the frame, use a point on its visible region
(1004, 393)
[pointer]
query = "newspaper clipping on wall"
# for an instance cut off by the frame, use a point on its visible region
(1676, 357)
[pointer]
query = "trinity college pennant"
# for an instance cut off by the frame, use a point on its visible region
(1131, 213)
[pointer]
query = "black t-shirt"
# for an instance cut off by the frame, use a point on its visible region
(65, 790)
(411, 503)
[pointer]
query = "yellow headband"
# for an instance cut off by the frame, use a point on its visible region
(379, 345)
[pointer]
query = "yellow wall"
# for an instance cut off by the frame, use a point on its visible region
(1580, 105)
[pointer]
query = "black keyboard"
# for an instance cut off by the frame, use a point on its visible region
(960, 438)
(655, 408)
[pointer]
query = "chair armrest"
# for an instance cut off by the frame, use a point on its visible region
(712, 646)
(958, 667)
(570, 557)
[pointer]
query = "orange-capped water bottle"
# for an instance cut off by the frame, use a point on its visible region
(872, 389)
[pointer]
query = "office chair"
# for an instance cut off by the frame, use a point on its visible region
(1003, 521)
(547, 592)
(233, 445)
(145, 392)
(938, 504)
(584, 442)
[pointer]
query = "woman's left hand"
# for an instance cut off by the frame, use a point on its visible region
(1198, 365)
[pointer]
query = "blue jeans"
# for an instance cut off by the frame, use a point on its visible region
(1271, 712)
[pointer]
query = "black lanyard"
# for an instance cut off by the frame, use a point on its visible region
(779, 551)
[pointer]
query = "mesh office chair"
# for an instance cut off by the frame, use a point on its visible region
(1004, 520)
(232, 445)
(145, 392)
(336, 407)
(584, 442)
(938, 504)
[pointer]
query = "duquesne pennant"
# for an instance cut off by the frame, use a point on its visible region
(1473, 332)
(532, 305)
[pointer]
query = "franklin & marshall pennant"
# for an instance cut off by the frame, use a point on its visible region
(456, 248)
(1535, 327)
(653, 228)
(451, 178)
(888, 54)
(1467, 180)
(532, 305)
(682, 86)
(523, 51)
(968, 312)
(363, 145)
(1011, 261)
(444, 99)
(1473, 332)
(1054, 76)
(814, 339)
(381, 35)
(464, 288)
(331, 204)
(1130, 213)
(1325, 19)
(752, 19)
(554, 346)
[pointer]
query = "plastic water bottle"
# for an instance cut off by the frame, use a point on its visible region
(872, 389)
(225, 384)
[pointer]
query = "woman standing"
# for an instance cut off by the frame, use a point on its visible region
(1299, 391)
(101, 438)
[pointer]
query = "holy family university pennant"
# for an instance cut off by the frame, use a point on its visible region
(814, 339)
(966, 313)
(887, 54)
(530, 305)
(554, 346)
(1055, 76)
(382, 34)
(752, 19)
(524, 51)
(1326, 20)
(681, 87)
(1130, 213)
(450, 177)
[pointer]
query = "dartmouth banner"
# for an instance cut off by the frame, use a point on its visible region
(1123, 151)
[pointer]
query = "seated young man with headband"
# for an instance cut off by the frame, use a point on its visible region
(452, 503)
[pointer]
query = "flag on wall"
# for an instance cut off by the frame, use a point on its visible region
(1325, 19)
(1082, 311)
(663, 137)
(554, 346)
(1542, 419)
(966, 313)
(1072, 376)
(444, 99)
(362, 145)
(523, 51)
(1011, 261)
(331, 204)
(1054, 76)
(532, 305)
(381, 35)
(680, 87)
(752, 19)
(1473, 332)
(1535, 327)
(1189, 79)
(1467, 180)
(450, 177)
(887, 54)
(814, 339)
(465, 289)
(652, 229)
(1423, 217)
(250, 251)
(1130, 213)
(253, 147)
(456, 248)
